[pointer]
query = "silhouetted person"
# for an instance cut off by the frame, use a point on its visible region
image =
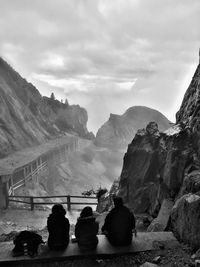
(86, 230)
(58, 227)
(119, 224)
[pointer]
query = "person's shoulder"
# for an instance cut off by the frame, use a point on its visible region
(78, 221)
(50, 217)
(66, 219)
(113, 210)
(127, 210)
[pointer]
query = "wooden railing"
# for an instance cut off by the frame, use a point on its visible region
(28, 177)
(30, 200)
(57, 154)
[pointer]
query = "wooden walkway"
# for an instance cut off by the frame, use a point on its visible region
(143, 242)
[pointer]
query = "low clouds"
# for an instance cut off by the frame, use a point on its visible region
(104, 55)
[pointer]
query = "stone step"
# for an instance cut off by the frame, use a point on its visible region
(143, 242)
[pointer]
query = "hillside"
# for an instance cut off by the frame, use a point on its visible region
(119, 130)
(28, 119)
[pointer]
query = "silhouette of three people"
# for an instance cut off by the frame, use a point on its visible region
(118, 227)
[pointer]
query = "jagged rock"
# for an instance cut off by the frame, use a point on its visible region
(152, 128)
(185, 219)
(119, 130)
(153, 167)
(105, 202)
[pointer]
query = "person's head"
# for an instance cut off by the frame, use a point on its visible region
(86, 212)
(118, 201)
(58, 209)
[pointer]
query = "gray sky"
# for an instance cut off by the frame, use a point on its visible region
(105, 55)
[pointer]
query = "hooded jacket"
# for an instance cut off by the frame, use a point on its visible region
(86, 231)
(58, 227)
(118, 226)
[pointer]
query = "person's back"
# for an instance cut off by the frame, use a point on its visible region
(119, 224)
(58, 227)
(86, 230)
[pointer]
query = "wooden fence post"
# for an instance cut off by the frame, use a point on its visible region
(7, 201)
(32, 203)
(68, 203)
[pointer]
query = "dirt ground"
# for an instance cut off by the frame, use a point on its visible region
(168, 258)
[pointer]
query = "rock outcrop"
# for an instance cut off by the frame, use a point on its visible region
(119, 130)
(27, 118)
(154, 166)
(185, 218)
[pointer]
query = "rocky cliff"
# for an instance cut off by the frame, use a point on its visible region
(154, 167)
(159, 166)
(27, 118)
(119, 130)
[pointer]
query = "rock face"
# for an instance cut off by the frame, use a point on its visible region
(159, 166)
(27, 118)
(119, 130)
(189, 112)
(185, 219)
(154, 166)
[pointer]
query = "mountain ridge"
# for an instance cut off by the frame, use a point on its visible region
(27, 118)
(119, 130)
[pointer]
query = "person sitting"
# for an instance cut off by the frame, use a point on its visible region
(58, 228)
(86, 230)
(119, 224)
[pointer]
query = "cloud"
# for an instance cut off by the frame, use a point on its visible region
(104, 55)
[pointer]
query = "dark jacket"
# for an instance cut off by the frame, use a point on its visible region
(86, 231)
(118, 226)
(58, 227)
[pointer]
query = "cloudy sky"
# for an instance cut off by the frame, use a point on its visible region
(105, 55)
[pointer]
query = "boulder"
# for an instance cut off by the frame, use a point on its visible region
(160, 223)
(105, 202)
(185, 219)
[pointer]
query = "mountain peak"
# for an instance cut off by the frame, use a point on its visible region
(119, 130)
